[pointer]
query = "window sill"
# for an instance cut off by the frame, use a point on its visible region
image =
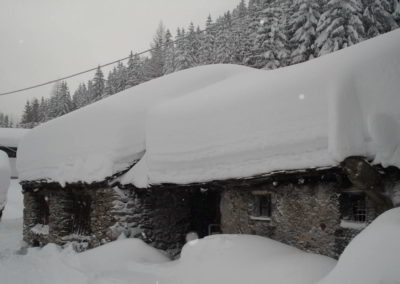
(261, 218)
(353, 225)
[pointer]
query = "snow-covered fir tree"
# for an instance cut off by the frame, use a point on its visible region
(378, 17)
(181, 59)
(60, 101)
(98, 85)
(303, 29)
(169, 54)
(271, 41)
(224, 44)
(134, 71)
(207, 43)
(261, 34)
(340, 26)
(80, 97)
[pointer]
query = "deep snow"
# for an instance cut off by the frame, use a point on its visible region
(226, 121)
(97, 141)
(5, 175)
(11, 137)
(371, 258)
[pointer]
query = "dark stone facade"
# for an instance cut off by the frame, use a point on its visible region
(305, 209)
(89, 216)
(307, 214)
(160, 218)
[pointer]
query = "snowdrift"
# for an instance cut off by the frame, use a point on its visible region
(5, 175)
(11, 137)
(248, 259)
(373, 256)
(225, 121)
(224, 259)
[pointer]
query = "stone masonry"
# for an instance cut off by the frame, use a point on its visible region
(158, 217)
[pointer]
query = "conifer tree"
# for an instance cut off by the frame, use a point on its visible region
(340, 26)
(303, 29)
(378, 17)
(181, 59)
(27, 114)
(207, 44)
(271, 42)
(169, 54)
(98, 85)
(134, 74)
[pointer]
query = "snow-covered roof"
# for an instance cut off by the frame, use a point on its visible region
(225, 121)
(10, 137)
(104, 138)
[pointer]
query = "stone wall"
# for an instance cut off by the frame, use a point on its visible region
(306, 216)
(160, 217)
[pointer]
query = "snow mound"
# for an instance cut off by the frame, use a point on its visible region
(313, 114)
(15, 203)
(223, 259)
(373, 256)
(5, 174)
(11, 137)
(104, 138)
(248, 259)
(121, 251)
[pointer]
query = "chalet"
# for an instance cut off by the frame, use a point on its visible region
(9, 140)
(303, 155)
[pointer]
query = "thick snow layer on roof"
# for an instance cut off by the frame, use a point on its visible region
(5, 175)
(101, 139)
(227, 121)
(373, 256)
(309, 115)
(10, 137)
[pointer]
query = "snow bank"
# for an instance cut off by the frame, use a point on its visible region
(373, 256)
(15, 204)
(248, 259)
(11, 137)
(5, 174)
(101, 139)
(225, 121)
(223, 259)
(313, 114)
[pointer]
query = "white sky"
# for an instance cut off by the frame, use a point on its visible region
(45, 39)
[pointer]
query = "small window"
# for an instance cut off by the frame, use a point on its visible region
(41, 210)
(262, 205)
(353, 207)
(81, 214)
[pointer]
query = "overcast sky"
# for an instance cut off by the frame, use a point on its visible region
(44, 39)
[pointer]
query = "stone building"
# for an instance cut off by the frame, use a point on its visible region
(307, 155)
(317, 210)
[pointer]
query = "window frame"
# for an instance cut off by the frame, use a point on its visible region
(261, 206)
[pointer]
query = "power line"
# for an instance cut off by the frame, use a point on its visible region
(222, 23)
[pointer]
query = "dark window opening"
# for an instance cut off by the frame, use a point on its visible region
(81, 215)
(262, 205)
(353, 207)
(42, 212)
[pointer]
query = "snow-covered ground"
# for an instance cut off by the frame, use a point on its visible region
(5, 175)
(11, 222)
(372, 258)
